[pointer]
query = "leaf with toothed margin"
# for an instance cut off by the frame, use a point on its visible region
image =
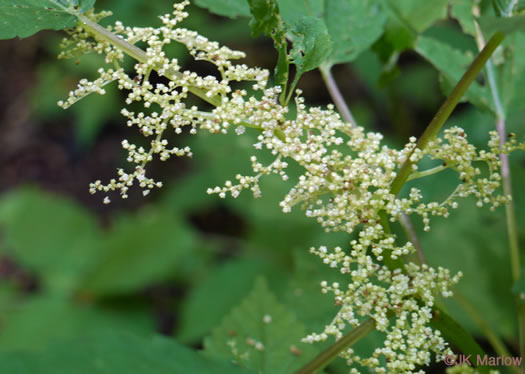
(262, 335)
(24, 18)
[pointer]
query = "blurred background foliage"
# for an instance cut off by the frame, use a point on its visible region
(177, 262)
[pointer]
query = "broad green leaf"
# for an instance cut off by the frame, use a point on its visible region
(138, 251)
(451, 63)
(291, 11)
(225, 287)
(353, 27)
(34, 323)
(23, 18)
(311, 45)
(262, 335)
(114, 352)
(267, 20)
(228, 8)
(52, 236)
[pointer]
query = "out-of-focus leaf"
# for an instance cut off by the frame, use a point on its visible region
(267, 20)
(23, 18)
(505, 25)
(264, 329)
(452, 63)
(406, 19)
(311, 45)
(32, 324)
(419, 15)
(139, 250)
(50, 235)
(353, 27)
(462, 11)
(225, 287)
(228, 8)
(114, 352)
(506, 8)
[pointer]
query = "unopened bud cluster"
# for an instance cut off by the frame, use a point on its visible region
(345, 185)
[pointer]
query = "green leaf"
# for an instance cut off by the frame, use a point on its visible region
(23, 18)
(353, 27)
(225, 287)
(262, 335)
(419, 15)
(32, 324)
(451, 63)
(311, 45)
(406, 20)
(139, 250)
(291, 12)
(267, 20)
(52, 236)
(462, 11)
(228, 8)
(113, 352)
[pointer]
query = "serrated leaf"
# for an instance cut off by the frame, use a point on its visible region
(311, 45)
(138, 251)
(267, 20)
(223, 289)
(228, 8)
(115, 352)
(51, 235)
(264, 334)
(23, 18)
(451, 63)
(353, 27)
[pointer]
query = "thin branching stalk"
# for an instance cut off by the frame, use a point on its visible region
(510, 212)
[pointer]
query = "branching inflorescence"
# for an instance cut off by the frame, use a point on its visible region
(345, 185)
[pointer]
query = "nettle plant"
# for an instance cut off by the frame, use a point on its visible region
(351, 181)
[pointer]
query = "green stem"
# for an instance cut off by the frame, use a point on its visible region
(327, 356)
(448, 106)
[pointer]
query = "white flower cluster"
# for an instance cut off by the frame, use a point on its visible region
(400, 302)
(345, 185)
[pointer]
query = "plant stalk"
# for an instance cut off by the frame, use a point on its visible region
(336, 95)
(510, 212)
(324, 358)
